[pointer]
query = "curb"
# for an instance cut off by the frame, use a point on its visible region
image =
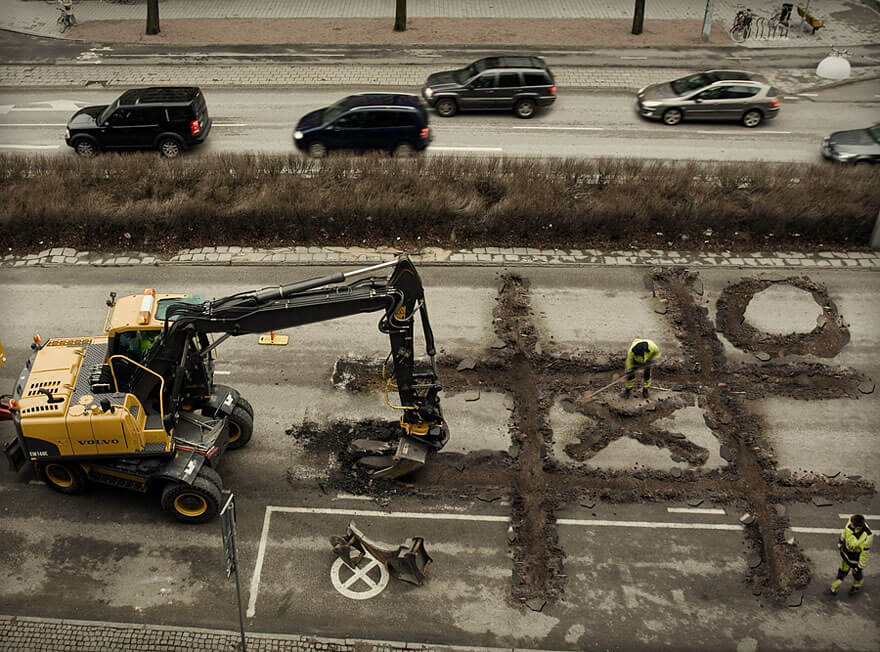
(477, 256)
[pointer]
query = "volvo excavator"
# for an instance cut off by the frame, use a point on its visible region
(138, 407)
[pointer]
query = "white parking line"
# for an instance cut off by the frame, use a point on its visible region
(639, 58)
(741, 133)
(224, 55)
(564, 128)
(222, 373)
(694, 510)
(29, 146)
(230, 124)
(867, 516)
(649, 524)
(33, 124)
(809, 94)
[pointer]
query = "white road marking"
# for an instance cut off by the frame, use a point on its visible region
(352, 497)
(487, 518)
(867, 516)
(740, 133)
(36, 482)
(374, 588)
(29, 146)
(224, 55)
(789, 97)
(222, 373)
(33, 124)
(52, 105)
(564, 128)
(258, 567)
(809, 94)
(230, 124)
(694, 510)
(639, 58)
(465, 149)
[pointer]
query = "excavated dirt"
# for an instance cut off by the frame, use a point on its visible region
(825, 340)
(534, 376)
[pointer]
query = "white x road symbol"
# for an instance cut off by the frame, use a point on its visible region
(364, 575)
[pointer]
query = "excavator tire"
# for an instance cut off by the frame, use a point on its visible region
(241, 426)
(211, 475)
(195, 503)
(64, 477)
(243, 402)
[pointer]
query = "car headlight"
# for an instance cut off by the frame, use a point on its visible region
(650, 105)
(67, 134)
(429, 92)
(641, 90)
(844, 157)
(297, 134)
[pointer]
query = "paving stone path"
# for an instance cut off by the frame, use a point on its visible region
(482, 256)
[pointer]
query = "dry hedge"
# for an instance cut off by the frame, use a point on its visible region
(142, 202)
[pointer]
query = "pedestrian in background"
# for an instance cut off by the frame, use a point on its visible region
(854, 544)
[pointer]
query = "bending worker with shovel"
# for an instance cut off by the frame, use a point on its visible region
(641, 355)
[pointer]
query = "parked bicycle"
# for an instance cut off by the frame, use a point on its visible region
(742, 25)
(66, 19)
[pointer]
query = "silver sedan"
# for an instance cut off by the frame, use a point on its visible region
(712, 95)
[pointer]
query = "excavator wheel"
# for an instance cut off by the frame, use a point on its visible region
(63, 477)
(243, 402)
(241, 426)
(195, 503)
(211, 475)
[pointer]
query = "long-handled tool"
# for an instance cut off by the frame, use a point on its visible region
(589, 397)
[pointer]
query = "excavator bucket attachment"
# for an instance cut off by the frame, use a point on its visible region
(409, 456)
(411, 562)
(408, 562)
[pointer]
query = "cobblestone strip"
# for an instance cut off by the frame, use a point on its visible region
(481, 256)
(267, 75)
(24, 634)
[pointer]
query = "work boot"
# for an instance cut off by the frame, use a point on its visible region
(854, 589)
(834, 588)
(644, 392)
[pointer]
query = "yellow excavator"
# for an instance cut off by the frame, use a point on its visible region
(138, 407)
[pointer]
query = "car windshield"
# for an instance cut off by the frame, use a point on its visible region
(461, 76)
(875, 133)
(334, 110)
(691, 83)
(106, 113)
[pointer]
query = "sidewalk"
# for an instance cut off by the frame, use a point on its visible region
(553, 23)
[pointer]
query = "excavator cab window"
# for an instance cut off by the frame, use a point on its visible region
(135, 344)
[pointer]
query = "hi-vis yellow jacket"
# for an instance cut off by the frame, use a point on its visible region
(633, 360)
(856, 546)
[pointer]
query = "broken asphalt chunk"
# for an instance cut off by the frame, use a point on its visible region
(639, 475)
(589, 504)
(725, 454)
(763, 356)
(796, 599)
(831, 476)
(498, 343)
(536, 604)
(747, 519)
(676, 435)
(818, 501)
(754, 560)
(695, 502)
(472, 396)
(466, 364)
(489, 496)
(866, 387)
(675, 471)
(660, 307)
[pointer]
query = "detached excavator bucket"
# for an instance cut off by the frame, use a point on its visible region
(408, 562)
(409, 456)
(411, 562)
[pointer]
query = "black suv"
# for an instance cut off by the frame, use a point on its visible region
(494, 83)
(394, 122)
(169, 118)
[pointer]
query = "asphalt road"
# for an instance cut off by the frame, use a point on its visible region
(581, 123)
(639, 576)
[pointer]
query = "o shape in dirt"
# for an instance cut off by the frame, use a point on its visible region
(825, 340)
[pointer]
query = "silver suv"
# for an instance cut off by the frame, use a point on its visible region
(712, 95)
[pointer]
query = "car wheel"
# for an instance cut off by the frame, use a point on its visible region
(64, 478)
(317, 150)
(84, 147)
(672, 117)
(404, 150)
(525, 108)
(169, 148)
(752, 118)
(446, 108)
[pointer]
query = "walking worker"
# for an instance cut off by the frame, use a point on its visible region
(641, 355)
(854, 544)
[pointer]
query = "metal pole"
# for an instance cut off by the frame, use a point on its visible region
(638, 17)
(707, 20)
(240, 611)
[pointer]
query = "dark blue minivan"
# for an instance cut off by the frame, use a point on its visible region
(393, 122)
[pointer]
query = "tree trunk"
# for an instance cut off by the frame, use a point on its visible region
(152, 16)
(638, 17)
(400, 16)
